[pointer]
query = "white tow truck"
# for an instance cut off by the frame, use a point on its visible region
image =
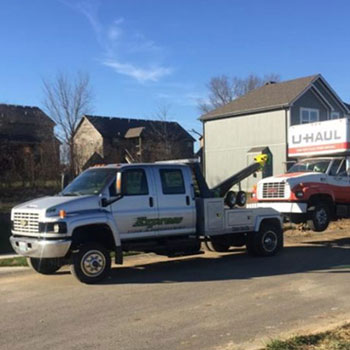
(166, 208)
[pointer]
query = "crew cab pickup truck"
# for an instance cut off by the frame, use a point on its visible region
(164, 208)
(314, 191)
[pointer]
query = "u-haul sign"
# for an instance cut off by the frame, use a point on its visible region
(321, 138)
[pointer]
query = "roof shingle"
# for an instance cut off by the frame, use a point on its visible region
(267, 97)
(111, 127)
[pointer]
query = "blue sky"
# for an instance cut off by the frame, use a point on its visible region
(143, 54)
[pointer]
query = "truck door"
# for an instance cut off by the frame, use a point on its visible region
(339, 180)
(176, 202)
(136, 213)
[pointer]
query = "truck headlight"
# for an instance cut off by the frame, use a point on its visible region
(299, 194)
(57, 227)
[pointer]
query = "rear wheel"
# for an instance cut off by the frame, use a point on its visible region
(267, 241)
(319, 217)
(218, 244)
(91, 264)
(44, 266)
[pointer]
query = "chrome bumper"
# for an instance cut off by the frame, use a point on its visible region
(282, 207)
(40, 248)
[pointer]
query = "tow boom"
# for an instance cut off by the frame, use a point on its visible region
(223, 187)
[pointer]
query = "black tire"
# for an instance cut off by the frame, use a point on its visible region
(241, 199)
(267, 241)
(319, 217)
(91, 264)
(220, 245)
(230, 199)
(194, 248)
(44, 266)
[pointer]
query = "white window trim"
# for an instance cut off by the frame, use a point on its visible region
(335, 115)
(302, 109)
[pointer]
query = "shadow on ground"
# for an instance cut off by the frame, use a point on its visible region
(330, 256)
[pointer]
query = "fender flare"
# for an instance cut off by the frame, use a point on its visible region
(328, 194)
(96, 219)
(261, 218)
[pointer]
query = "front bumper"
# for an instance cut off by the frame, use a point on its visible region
(284, 207)
(40, 248)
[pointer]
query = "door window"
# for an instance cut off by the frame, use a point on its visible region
(134, 182)
(342, 169)
(333, 171)
(172, 181)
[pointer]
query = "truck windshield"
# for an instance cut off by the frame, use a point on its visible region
(90, 182)
(310, 165)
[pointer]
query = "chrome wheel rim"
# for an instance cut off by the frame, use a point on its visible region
(269, 241)
(93, 263)
(321, 216)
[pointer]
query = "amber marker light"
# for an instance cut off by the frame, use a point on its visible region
(119, 185)
(62, 214)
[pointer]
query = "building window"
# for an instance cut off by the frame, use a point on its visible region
(335, 115)
(309, 115)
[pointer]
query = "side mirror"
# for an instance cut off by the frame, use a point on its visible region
(104, 202)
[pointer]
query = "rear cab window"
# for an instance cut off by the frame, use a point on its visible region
(172, 181)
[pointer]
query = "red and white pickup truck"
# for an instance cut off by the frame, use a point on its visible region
(315, 189)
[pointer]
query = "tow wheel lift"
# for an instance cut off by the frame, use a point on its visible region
(223, 189)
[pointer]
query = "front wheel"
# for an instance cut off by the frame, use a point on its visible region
(267, 241)
(91, 264)
(44, 266)
(319, 217)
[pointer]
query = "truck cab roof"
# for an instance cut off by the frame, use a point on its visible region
(136, 165)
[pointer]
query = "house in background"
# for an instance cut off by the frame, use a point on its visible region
(28, 146)
(118, 140)
(258, 122)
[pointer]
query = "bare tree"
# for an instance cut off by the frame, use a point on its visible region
(223, 89)
(162, 139)
(171, 143)
(66, 99)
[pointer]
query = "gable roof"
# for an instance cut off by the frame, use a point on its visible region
(112, 127)
(24, 124)
(268, 97)
(24, 114)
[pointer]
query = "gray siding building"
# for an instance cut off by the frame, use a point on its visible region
(259, 121)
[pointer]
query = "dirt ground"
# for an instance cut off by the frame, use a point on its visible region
(296, 234)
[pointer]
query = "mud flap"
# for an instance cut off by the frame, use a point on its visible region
(119, 255)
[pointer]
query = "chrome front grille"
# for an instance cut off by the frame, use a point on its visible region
(273, 190)
(26, 222)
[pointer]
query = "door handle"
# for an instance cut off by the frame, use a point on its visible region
(188, 200)
(151, 201)
(193, 195)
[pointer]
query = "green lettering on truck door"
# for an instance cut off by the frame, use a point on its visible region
(150, 223)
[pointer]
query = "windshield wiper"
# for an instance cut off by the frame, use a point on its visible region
(72, 194)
